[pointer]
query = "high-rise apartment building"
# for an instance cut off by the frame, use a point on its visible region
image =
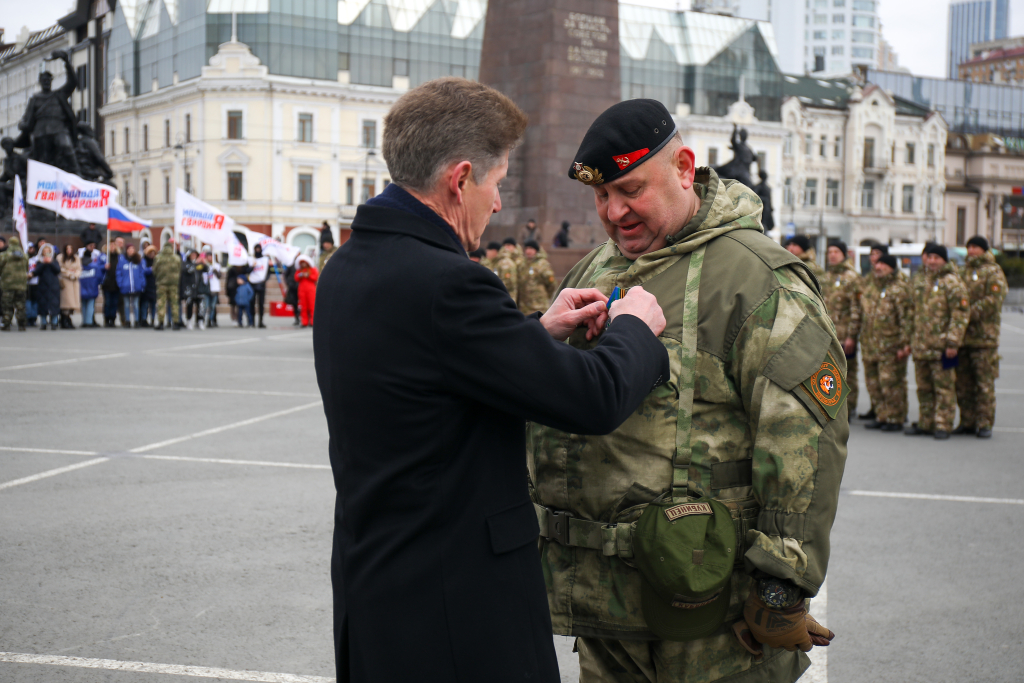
(974, 21)
(820, 37)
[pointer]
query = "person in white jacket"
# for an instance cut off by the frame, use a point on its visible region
(213, 281)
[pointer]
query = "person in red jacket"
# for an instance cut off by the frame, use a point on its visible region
(306, 275)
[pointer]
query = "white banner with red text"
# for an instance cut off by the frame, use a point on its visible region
(198, 219)
(68, 195)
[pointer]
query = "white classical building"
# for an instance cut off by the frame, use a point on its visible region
(861, 165)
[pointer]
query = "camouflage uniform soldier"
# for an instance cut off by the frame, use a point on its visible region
(752, 418)
(800, 246)
(842, 290)
(888, 311)
(877, 251)
(979, 354)
(536, 280)
(498, 261)
(167, 273)
(13, 284)
(941, 313)
(509, 246)
(327, 250)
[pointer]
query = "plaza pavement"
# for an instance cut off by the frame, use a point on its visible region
(167, 510)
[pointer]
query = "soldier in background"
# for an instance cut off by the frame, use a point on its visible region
(979, 352)
(842, 289)
(529, 232)
(800, 246)
(877, 251)
(477, 255)
(13, 284)
(941, 313)
(497, 260)
(536, 280)
(327, 250)
(887, 311)
(167, 273)
(509, 246)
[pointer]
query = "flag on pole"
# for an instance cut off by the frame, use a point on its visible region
(285, 253)
(20, 216)
(68, 195)
(237, 255)
(120, 219)
(198, 219)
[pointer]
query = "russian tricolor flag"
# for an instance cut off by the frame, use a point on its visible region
(120, 219)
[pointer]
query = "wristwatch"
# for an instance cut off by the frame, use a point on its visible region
(779, 593)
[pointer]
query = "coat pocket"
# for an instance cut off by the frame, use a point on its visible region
(513, 528)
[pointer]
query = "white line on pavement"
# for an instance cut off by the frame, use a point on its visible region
(171, 354)
(930, 496)
(1014, 328)
(226, 461)
(64, 361)
(172, 669)
(46, 450)
(216, 430)
(50, 473)
(1012, 430)
(247, 340)
(818, 671)
(198, 390)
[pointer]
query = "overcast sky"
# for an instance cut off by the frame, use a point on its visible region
(915, 28)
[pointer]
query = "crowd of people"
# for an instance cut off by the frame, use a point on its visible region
(946, 318)
(144, 286)
(525, 272)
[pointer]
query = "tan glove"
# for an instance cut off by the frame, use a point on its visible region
(788, 629)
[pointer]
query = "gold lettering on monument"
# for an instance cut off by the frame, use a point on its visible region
(587, 59)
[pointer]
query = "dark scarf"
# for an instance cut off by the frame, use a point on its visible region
(394, 197)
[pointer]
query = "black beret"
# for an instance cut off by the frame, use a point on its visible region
(623, 137)
(889, 260)
(978, 241)
(509, 240)
(841, 246)
(937, 249)
(801, 241)
(493, 245)
(531, 244)
(878, 246)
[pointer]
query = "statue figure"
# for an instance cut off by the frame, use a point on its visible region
(49, 121)
(14, 164)
(738, 168)
(90, 157)
(765, 193)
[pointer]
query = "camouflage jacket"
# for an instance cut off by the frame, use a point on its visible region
(842, 290)
(167, 267)
(536, 284)
(504, 268)
(986, 289)
(325, 256)
(760, 442)
(810, 259)
(941, 312)
(14, 267)
(888, 311)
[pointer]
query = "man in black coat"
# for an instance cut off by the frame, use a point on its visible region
(428, 372)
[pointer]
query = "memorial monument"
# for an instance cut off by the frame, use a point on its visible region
(738, 168)
(49, 125)
(559, 61)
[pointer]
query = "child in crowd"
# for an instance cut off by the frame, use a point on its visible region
(243, 297)
(131, 280)
(306, 276)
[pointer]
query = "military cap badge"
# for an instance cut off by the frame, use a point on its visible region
(587, 175)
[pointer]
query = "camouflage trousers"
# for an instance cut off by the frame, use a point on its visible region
(976, 387)
(167, 295)
(12, 303)
(851, 381)
(886, 382)
(936, 395)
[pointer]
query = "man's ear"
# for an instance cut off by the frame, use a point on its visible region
(684, 161)
(458, 176)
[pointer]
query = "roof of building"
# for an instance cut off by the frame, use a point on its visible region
(35, 39)
(834, 93)
(995, 56)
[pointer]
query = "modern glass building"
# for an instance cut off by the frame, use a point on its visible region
(967, 107)
(974, 21)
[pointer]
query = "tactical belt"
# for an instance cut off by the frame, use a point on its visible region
(611, 539)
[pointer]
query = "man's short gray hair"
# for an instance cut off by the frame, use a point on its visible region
(444, 121)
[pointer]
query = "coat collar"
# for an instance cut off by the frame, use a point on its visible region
(388, 220)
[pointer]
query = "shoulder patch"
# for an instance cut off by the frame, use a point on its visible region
(828, 387)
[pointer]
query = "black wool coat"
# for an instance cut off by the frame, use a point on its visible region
(428, 373)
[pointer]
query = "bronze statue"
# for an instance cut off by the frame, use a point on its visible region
(90, 157)
(765, 193)
(50, 123)
(738, 168)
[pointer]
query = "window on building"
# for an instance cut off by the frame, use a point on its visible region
(862, 36)
(762, 160)
(145, 137)
(838, 18)
(839, 3)
(869, 152)
(822, 145)
(712, 156)
(961, 225)
(864, 5)
(838, 34)
(908, 199)
(863, 21)
(369, 190)
(863, 53)
(401, 67)
(819, 4)
(145, 191)
(235, 186)
(369, 140)
(188, 127)
(820, 18)
(931, 154)
(127, 141)
(167, 132)
(928, 202)
(819, 58)
(910, 152)
(350, 191)
(838, 147)
(167, 189)
(305, 132)
(234, 125)
(832, 193)
(808, 144)
(82, 72)
(867, 195)
(811, 192)
(837, 49)
(188, 182)
(787, 192)
(787, 145)
(821, 35)
(305, 187)
(342, 61)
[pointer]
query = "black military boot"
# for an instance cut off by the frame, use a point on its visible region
(984, 433)
(965, 430)
(874, 424)
(159, 327)
(870, 415)
(914, 430)
(891, 427)
(941, 434)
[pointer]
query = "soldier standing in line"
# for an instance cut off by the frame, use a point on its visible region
(979, 352)
(536, 280)
(887, 312)
(327, 250)
(509, 246)
(800, 246)
(13, 284)
(167, 273)
(877, 251)
(842, 290)
(501, 264)
(941, 313)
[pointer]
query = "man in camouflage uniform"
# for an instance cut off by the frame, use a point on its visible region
(941, 312)
(536, 280)
(979, 352)
(167, 273)
(13, 284)
(498, 261)
(842, 290)
(509, 246)
(877, 251)
(327, 250)
(741, 418)
(800, 246)
(888, 320)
